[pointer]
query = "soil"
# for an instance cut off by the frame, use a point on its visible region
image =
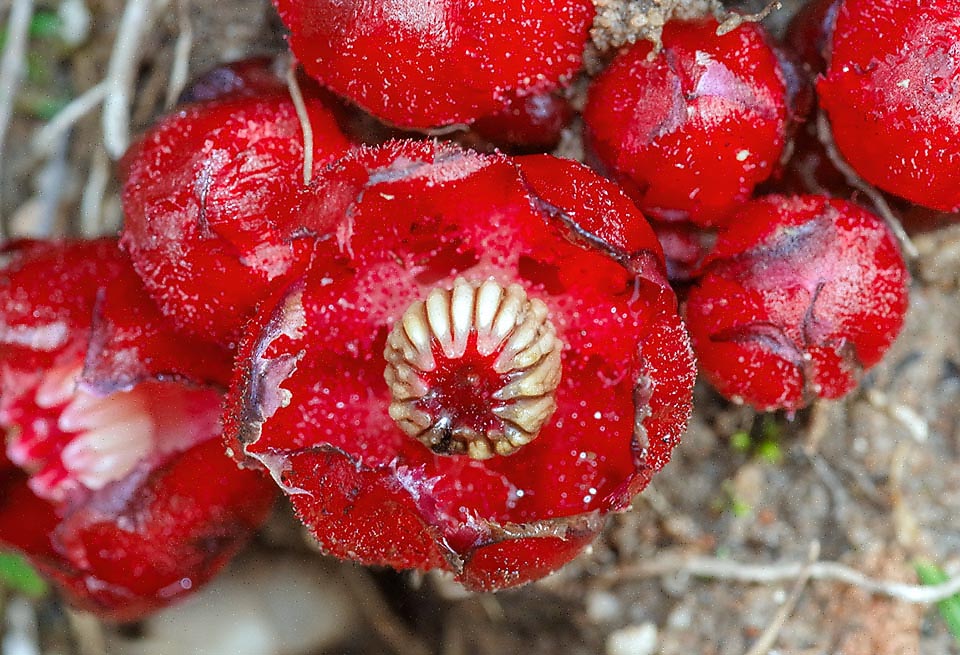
(871, 482)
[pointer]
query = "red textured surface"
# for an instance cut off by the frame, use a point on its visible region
(411, 216)
(245, 78)
(692, 132)
(203, 192)
(66, 279)
(892, 93)
(171, 523)
(808, 34)
(437, 62)
(133, 548)
(799, 297)
(530, 123)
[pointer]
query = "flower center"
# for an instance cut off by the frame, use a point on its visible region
(68, 439)
(473, 369)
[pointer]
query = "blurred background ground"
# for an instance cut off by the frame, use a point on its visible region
(713, 557)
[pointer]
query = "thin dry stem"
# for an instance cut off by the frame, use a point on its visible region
(87, 632)
(721, 569)
(45, 137)
(304, 118)
(180, 69)
(51, 183)
(12, 66)
(121, 76)
(768, 638)
(853, 179)
(386, 624)
(905, 416)
(91, 202)
(22, 627)
(734, 20)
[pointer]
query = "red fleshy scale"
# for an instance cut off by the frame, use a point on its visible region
(800, 296)
(202, 194)
(690, 133)
(245, 78)
(309, 400)
(892, 93)
(808, 34)
(428, 63)
(112, 479)
(685, 246)
(531, 123)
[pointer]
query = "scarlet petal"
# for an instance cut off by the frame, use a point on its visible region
(359, 513)
(113, 481)
(136, 548)
(515, 561)
(203, 192)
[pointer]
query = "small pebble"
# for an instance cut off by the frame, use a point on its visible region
(633, 640)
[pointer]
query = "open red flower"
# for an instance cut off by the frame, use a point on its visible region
(484, 361)
(113, 477)
(203, 191)
(422, 64)
(800, 295)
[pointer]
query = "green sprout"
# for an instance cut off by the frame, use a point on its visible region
(930, 574)
(762, 442)
(740, 441)
(18, 575)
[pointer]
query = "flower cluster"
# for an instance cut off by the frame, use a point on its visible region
(445, 356)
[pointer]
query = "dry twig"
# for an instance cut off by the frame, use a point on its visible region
(304, 118)
(91, 202)
(12, 66)
(765, 642)
(87, 632)
(734, 20)
(853, 179)
(121, 76)
(722, 569)
(386, 624)
(180, 70)
(45, 137)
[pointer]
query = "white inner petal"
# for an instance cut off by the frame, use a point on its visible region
(501, 321)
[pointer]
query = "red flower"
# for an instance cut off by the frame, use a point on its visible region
(427, 64)
(691, 132)
(113, 480)
(799, 297)
(202, 193)
(893, 99)
(483, 362)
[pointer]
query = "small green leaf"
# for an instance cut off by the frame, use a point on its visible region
(45, 24)
(740, 441)
(770, 452)
(739, 508)
(770, 428)
(17, 574)
(930, 574)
